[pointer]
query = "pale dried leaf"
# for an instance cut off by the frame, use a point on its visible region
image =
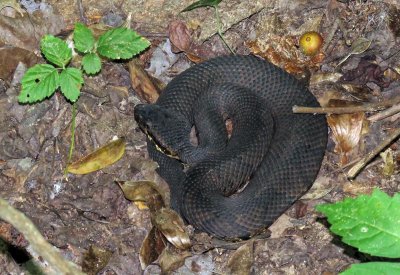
(151, 249)
(171, 260)
(346, 133)
(389, 165)
(242, 259)
(145, 194)
(172, 227)
(99, 159)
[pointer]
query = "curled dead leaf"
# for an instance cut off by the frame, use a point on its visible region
(179, 35)
(95, 259)
(170, 260)
(389, 163)
(152, 247)
(347, 130)
(242, 259)
(99, 159)
(145, 194)
(172, 227)
(145, 87)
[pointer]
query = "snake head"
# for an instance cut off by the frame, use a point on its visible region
(166, 129)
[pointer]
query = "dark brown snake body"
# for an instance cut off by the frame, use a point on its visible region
(234, 186)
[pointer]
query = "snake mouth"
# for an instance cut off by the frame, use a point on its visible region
(159, 146)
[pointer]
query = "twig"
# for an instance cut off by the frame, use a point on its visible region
(357, 167)
(369, 107)
(36, 240)
(386, 113)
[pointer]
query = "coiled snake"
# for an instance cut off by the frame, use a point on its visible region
(234, 185)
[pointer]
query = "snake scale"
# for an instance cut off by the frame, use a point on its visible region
(233, 184)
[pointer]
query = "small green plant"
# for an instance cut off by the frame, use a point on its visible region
(371, 224)
(42, 80)
(213, 4)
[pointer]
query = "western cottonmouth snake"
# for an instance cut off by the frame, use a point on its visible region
(234, 186)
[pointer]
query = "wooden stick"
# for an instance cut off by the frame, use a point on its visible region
(36, 240)
(369, 107)
(364, 161)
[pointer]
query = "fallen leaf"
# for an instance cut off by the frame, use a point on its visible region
(145, 194)
(347, 130)
(179, 35)
(95, 259)
(170, 260)
(99, 159)
(142, 83)
(152, 247)
(359, 46)
(172, 227)
(389, 165)
(242, 259)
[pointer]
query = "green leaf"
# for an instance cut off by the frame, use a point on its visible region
(83, 38)
(373, 268)
(39, 82)
(202, 3)
(121, 43)
(70, 83)
(91, 63)
(55, 50)
(370, 223)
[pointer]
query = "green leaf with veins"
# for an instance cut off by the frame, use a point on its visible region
(369, 223)
(39, 82)
(83, 38)
(55, 50)
(91, 63)
(121, 43)
(71, 81)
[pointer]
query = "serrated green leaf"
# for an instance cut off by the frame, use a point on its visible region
(91, 63)
(83, 38)
(370, 223)
(121, 43)
(55, 50)
(38, 83)
(373, 268)
(202, 3)
(70, 83)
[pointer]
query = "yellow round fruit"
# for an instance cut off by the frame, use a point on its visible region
(310, 43)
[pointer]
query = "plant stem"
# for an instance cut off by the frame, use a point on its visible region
(72, 145)
(219, 25)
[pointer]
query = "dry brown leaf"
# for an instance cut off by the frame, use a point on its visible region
(346, 133)
(95, 259)
(145, 194)
(152, 247)
(170, 260)
(389, 164)
(179, 35)
(347, 130)
(242, 259)
(99, 159)
(142, 83)
(172, 227)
